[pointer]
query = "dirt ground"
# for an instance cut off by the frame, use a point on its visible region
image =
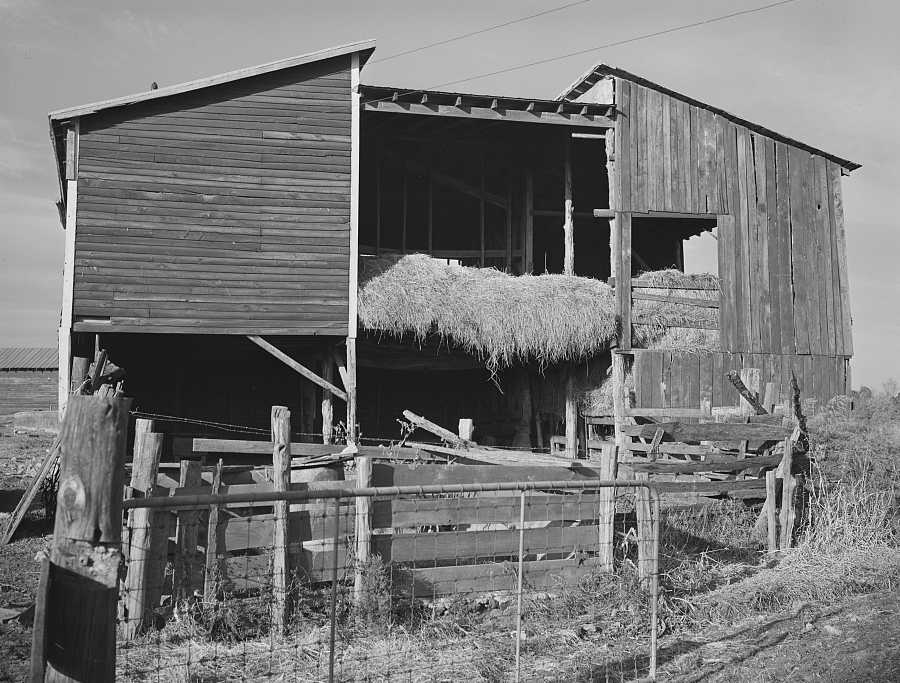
(857, 640)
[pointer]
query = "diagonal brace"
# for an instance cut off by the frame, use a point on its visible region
(306, 372)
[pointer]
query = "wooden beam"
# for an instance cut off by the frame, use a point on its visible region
(529, 220)
(327, 401)
(553, 118)
(437, 430)
(294, 365)
(568, 225)
(623, 277)
(571, 415)
(355, 149)
(684, 300)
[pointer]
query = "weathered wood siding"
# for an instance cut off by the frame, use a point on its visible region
(782, 256)
(224, 210)
(665, 379)
(27, 390)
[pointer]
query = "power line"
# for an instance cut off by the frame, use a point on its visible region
(619, 42)
(483, 30)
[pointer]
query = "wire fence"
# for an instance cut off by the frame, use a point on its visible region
(480, 582)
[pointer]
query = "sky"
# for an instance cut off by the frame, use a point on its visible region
(824, 73)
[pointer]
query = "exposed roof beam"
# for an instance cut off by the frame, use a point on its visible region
(573, 119)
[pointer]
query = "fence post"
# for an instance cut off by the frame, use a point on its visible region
(145, 466)
(281, 475)
(75, 627)
(186, 537)
(770, 505)
(607, 496)
(787, 495)
(327, 400)
(215, 543)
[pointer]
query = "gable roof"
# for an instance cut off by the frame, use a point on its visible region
(599, 71)
(19, 358)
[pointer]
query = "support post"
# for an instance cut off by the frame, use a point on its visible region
(327, 400)
(568, 225)
(80, 369)
(281, 476)
(622, 273)
(186, 536)
(141, 563)
(571, 415)
(75, 622)
(363, 478)
(528, 246)
(607, 496)
(750, 379)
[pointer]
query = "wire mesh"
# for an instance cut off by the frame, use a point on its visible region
(489, 585)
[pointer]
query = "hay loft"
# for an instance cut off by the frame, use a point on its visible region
(502, 319)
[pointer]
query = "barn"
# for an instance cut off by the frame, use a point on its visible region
(287, 234)
(28, 379)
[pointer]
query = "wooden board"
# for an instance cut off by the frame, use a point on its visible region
(183, 186)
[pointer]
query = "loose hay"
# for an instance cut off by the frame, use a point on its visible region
(502, 319)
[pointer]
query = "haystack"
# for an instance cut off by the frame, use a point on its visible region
(496, 317)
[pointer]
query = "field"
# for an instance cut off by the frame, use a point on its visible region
(828, 610)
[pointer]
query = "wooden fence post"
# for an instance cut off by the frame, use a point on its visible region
(215, 543)
(145, 466)
(75, 623)
(606, 519)
(770, 505)
(788, 484)
(184, 573)
(281, 475)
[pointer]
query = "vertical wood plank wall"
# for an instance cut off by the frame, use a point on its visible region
(782, 262)
(222, 210)
(665, 379)
(781, 235)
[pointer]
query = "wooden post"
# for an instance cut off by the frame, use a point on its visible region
(770, 505)
(308, 411)
(327, 400)
(215, 543)
(571, 415)
(787, 495)
(281, 476)
(80, 368)
(644, 531)
(75, 625)
(363, 478)
(618, 380)
(466, 428)
(568, 226)
(144, 469)
(606, 519)
(528, 246)
(622, 274)
(186, 537)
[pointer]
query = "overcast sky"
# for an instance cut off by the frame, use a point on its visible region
(825, 73)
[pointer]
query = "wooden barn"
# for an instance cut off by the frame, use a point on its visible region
(28, 379)
(216, 232)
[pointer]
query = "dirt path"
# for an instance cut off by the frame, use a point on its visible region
(858, 640)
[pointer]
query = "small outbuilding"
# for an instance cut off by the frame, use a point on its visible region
(28, 379)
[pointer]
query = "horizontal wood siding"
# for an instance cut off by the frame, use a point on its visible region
(28, 390)
(666, 379)
(782, 254)
(224, 210)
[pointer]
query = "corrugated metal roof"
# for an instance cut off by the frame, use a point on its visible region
(29, 358)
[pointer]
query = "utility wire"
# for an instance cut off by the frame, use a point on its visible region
(619, 42)
(475, 33)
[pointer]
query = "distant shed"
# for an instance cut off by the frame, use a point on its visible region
(28, 379)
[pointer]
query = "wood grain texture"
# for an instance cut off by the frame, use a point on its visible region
(177, 194)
